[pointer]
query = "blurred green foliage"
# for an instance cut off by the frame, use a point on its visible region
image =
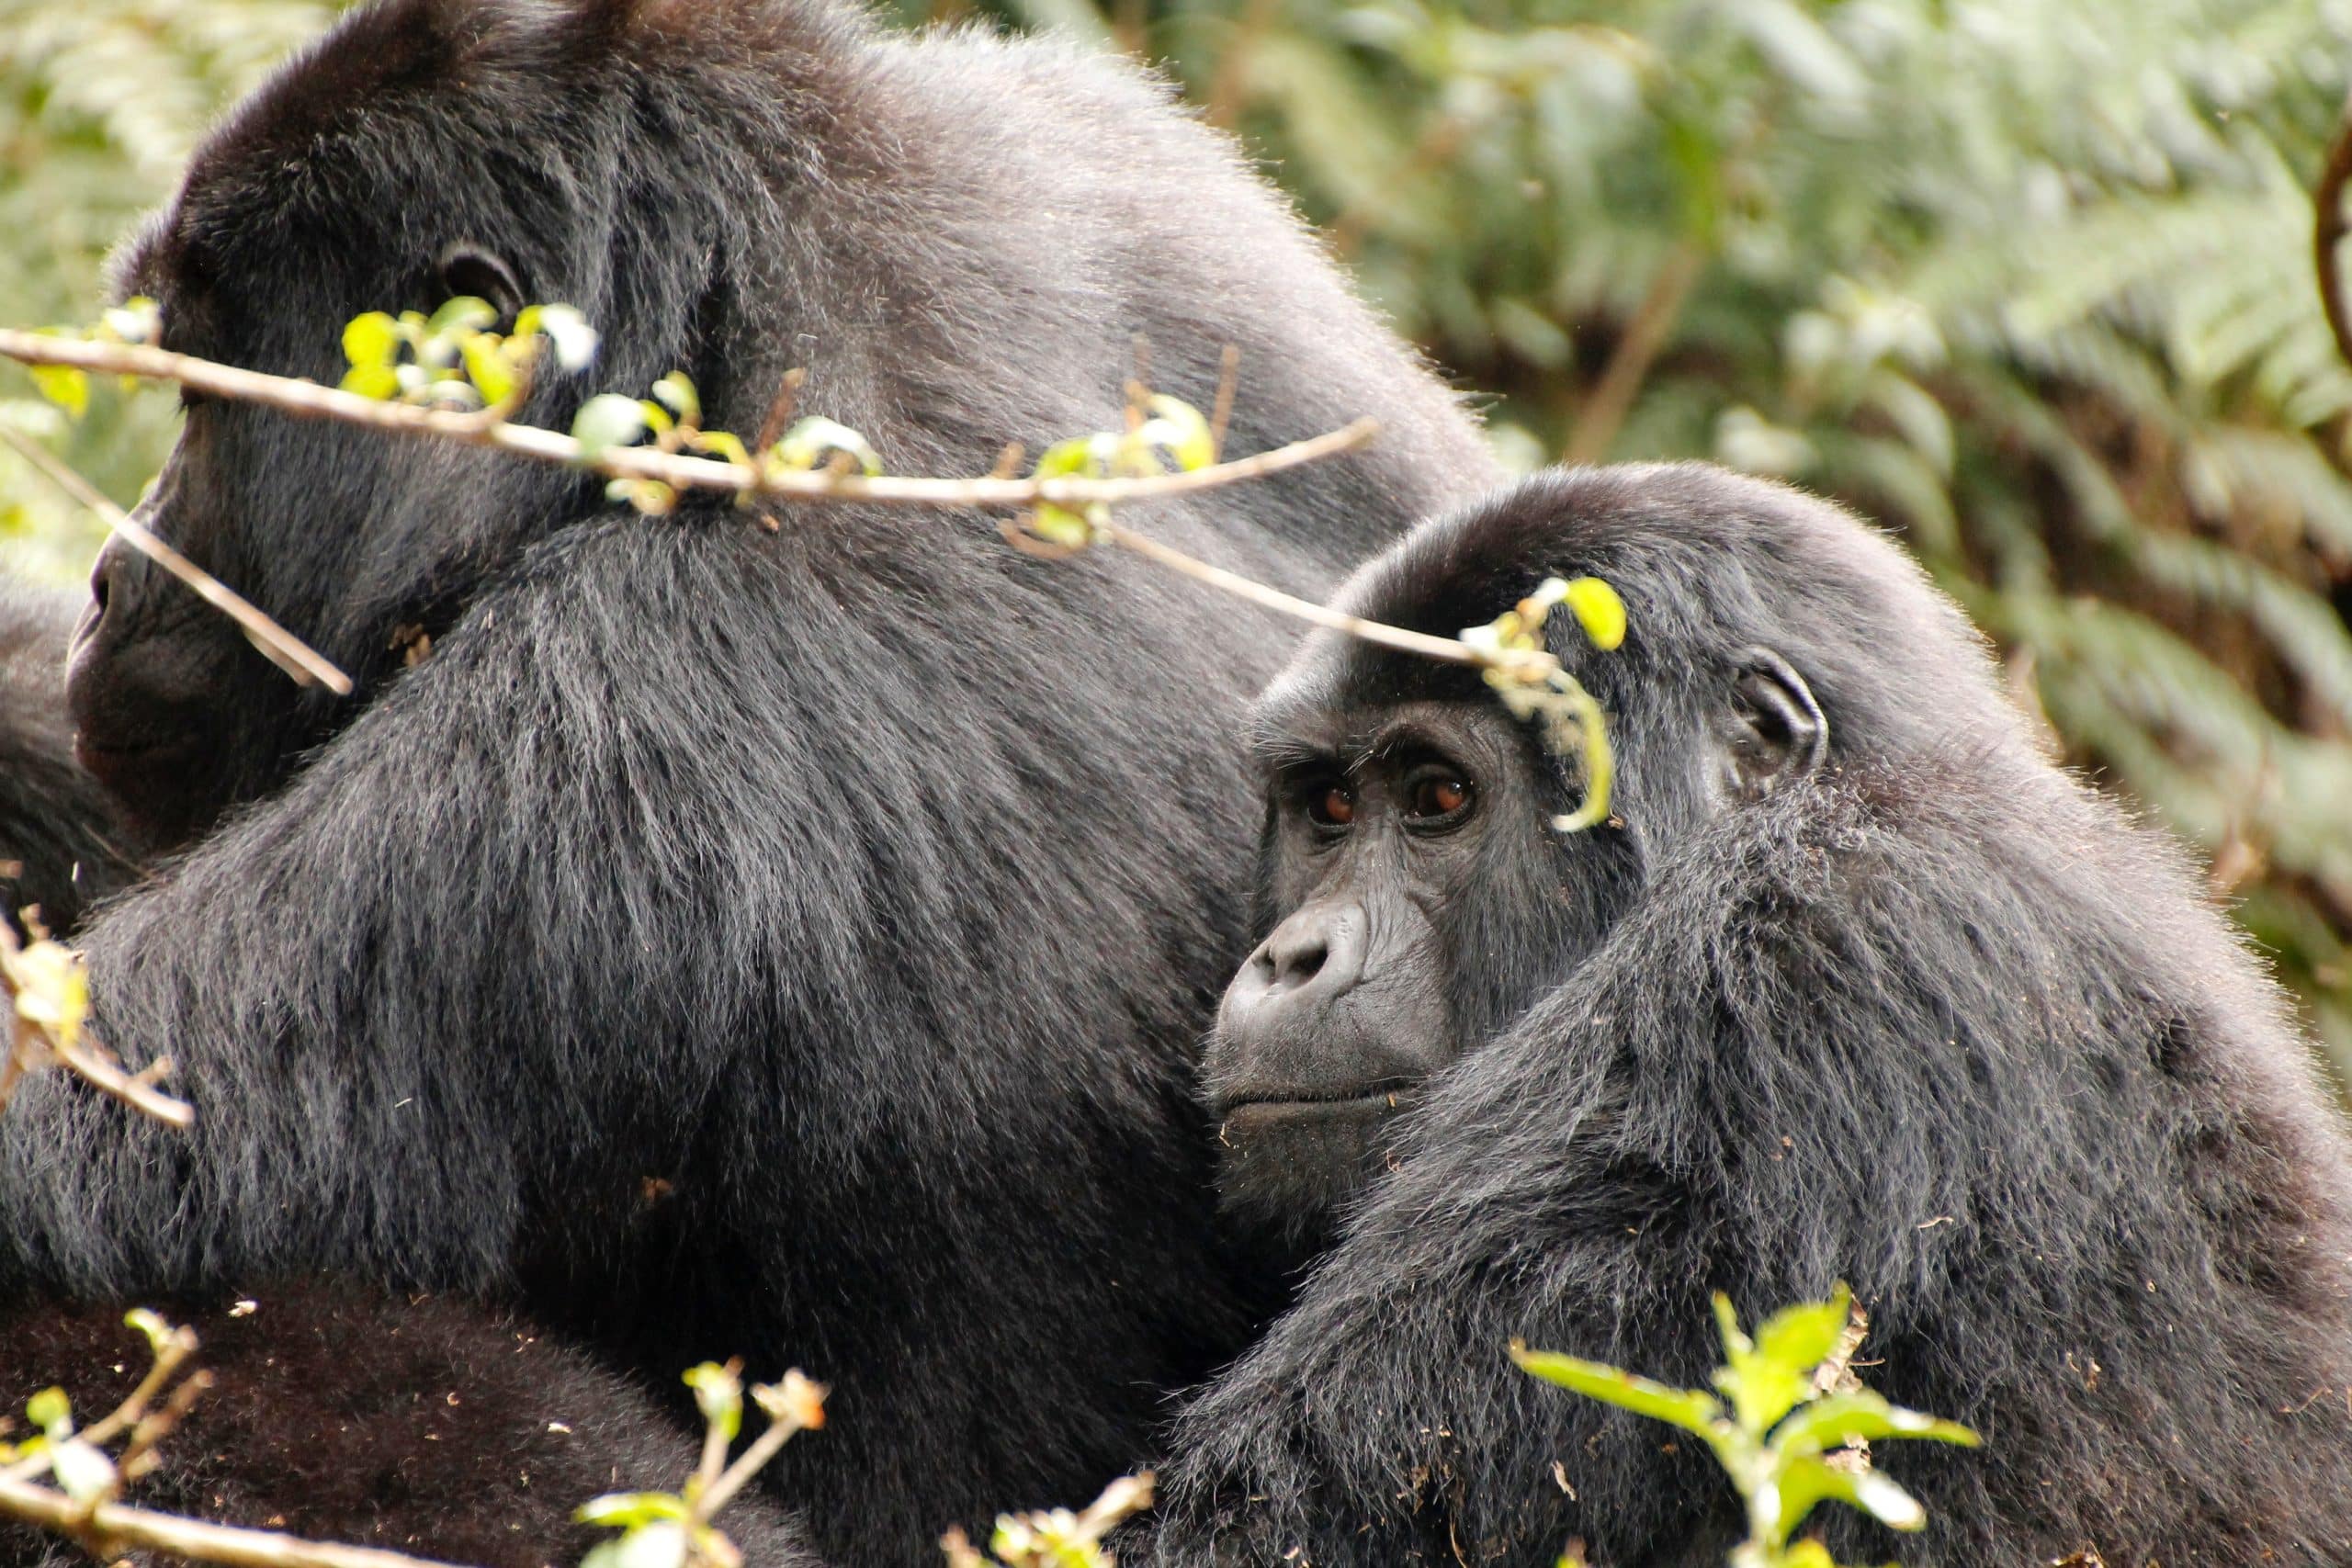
(101, 102)
(2027, 280)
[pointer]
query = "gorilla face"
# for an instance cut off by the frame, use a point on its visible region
(1421, 899)
(1381, 827)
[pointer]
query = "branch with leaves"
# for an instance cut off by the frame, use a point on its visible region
(47, 993)
(62, 1478)
(1787, 1420)
(449, 375)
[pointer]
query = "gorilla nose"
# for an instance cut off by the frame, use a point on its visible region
(1317, 952)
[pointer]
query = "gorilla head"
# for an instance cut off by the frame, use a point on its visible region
(442, 150)
(1419, 895)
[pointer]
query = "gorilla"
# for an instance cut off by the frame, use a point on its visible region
(788, 943)
(418, 1425)
(62, 842)
(1854, 986)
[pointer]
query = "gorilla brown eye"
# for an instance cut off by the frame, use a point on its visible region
(1439, 795)
(1331, 805)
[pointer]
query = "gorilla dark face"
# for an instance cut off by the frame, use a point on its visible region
(1422, 898)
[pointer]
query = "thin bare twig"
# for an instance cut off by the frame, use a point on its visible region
(105, 1530)
(2327, 232)
(1603, 413)
(280, 647)
(310, 400)
(1449, 651)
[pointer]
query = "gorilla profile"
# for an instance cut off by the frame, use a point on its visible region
(1855, 987)
(789, 943)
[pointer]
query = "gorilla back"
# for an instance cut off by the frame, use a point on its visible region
(789, 944)
(1853, 985)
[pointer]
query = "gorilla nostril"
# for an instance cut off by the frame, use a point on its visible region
(1296, 962)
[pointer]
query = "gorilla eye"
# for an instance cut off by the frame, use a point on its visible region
(1439, 795)
(1331, 805)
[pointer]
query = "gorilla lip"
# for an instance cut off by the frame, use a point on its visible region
(1389, 1094)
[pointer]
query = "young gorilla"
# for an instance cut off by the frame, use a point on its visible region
(424, 1426)
(725, 941)
(1854, 987)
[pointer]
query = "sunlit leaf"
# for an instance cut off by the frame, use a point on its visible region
(64, 385)
(606, 420)
(370, 341)
(1687, 1409)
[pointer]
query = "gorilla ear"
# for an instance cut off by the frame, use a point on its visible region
(1777, 733)
(469, 269)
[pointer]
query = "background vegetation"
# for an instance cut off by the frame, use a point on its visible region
(2027, 280)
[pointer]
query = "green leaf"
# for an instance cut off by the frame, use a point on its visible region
(64, 385)
(1065, 459)
(812, 441)
(1690, 1409)
(461, 315)
(606, 420)
(1602, 612)
(83, 1473)
(1843, 1417)
(723, 445)
(1177, 427)
(718, 1395)
(661, 1545)
(627, 1510)
(1060, 526)
(381, 382)
(1802, 1336)
(370, 341)
(677, 394)
(50, 1411)
(158, 1333)
(487, 366)
(565, 330)
(1807, 1480)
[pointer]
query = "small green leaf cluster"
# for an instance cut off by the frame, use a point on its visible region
(1164, 435)
(136, 321)
(452, 359)
(673, 1530)
(81, 1469)
(1055, 1538)
(1540, 692)
(670, 419)
(1779, 1422)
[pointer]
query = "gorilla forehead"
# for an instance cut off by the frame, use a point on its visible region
(1709, 564)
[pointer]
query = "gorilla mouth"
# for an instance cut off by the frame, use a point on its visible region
(1388, 1094)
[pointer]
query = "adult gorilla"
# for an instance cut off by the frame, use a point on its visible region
(61, 841)
(729, 941)
(1855, 987)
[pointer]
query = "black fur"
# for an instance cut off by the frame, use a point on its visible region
(1935, 1018)
(422, 1426)
(787, 944)
(63, 843)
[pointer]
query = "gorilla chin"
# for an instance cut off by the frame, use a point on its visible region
(1286, 1166)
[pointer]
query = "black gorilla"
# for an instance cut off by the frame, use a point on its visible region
(1857, 987)
(62, 841)
(789, 944)
(424, 1426)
